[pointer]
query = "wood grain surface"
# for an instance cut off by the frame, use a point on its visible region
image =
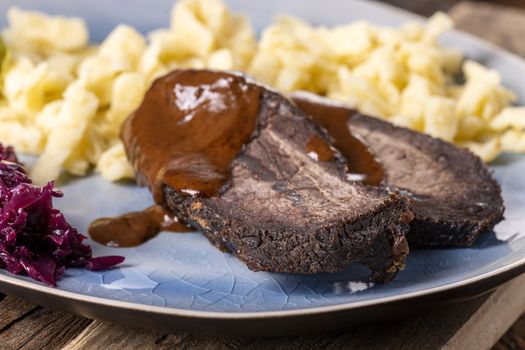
(455, 327)
(476, 324)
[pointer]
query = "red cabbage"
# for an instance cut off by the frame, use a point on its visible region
(35, 238)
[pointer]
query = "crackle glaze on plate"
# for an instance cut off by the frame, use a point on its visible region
(182, 281)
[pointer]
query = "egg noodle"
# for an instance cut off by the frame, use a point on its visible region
(65, 99)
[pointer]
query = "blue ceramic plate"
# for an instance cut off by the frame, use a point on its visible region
(182, 281)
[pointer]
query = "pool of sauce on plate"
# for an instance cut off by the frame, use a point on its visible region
(362, 164)
(135, 228)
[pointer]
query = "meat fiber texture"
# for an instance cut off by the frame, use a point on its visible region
(453, 195)
(285, 212)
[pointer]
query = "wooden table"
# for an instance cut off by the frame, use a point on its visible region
(476, 324)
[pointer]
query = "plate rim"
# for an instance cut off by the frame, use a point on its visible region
(504, 273)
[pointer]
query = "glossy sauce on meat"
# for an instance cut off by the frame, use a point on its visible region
(185, 134)
(319, 150)
(362, 164)
(188, 129)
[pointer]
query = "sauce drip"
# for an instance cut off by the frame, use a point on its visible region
(188, 129)
(362, 164)
(319, 150)
(133, 229)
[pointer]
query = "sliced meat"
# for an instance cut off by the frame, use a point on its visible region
(281, 210)
(453, 195)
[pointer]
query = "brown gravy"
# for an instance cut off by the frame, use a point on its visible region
(319, 150)
(334, 119)
(188, 129)
(135, 228)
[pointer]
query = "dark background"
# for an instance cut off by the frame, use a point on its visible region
(428, 7)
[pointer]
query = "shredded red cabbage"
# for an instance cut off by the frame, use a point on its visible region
(35, 238)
